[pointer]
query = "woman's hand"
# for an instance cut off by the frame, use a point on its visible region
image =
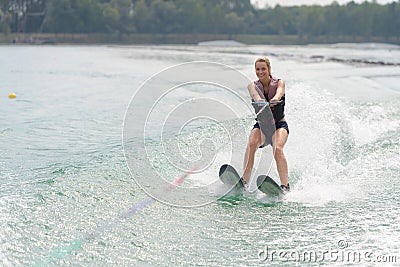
(274, 101)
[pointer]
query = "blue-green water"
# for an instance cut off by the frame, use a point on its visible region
(65, 183)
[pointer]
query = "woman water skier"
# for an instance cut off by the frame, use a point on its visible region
(268, 89)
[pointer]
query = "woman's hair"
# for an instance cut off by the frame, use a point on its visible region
(263, 59)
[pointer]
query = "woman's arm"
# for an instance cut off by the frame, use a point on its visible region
(253, 93)
(280, 91)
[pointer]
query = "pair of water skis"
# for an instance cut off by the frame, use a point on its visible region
(265, 184)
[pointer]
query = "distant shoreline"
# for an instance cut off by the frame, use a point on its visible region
(156, 39)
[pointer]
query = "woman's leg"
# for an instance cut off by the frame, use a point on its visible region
(255, 140)
(281, 136)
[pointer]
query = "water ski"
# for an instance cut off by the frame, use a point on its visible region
(268, 186)
(230, 176)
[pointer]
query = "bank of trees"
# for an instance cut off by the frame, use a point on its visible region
(198, 16)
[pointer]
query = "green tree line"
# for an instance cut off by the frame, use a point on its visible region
(198, 16)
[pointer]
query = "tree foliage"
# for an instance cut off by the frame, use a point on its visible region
(198, 16)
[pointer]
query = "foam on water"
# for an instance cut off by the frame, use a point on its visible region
(310, 191)
(325, 148)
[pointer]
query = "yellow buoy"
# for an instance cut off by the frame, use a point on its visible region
(12, 96)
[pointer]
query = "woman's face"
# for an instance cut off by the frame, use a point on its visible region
(262, 71)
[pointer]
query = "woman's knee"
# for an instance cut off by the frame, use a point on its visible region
(254, 141)
(279, 152)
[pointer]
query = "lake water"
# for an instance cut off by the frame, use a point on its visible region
(77, 168)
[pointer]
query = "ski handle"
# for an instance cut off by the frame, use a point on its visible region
(267, 103)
